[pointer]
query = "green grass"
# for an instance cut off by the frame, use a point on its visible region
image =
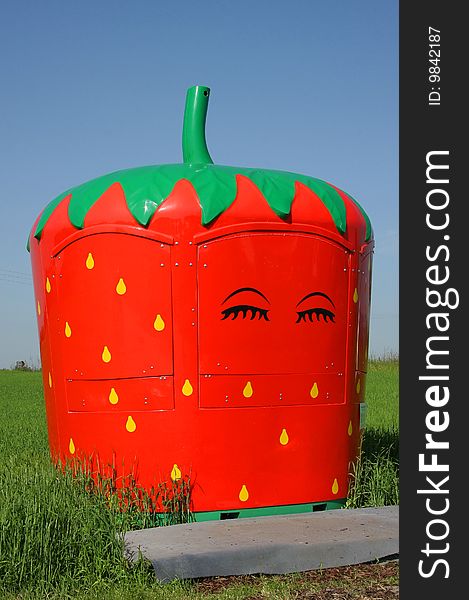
(53, 533)
(59, 541)
(375, 477)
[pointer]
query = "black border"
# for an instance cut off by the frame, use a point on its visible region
(422, 129)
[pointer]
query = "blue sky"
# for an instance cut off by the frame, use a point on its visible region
(92, 87)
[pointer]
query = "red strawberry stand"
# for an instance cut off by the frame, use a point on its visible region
(207, 321)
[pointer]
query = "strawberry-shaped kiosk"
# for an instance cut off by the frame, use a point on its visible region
(210, 321)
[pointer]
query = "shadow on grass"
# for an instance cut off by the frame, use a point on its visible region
(378, 442)
(374, 478)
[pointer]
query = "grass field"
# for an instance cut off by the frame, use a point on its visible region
(57, 541)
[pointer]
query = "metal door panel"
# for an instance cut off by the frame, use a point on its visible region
(120, 395)
(241, 391)
(276, 334)
(115, 317)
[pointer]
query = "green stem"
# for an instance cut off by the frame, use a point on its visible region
(194, 146)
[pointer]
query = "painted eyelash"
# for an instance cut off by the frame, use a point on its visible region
(234, 311)
(326, 315)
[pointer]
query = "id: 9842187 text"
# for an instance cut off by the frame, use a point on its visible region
(434, 57)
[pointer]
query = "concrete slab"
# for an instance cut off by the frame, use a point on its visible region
(280, 544)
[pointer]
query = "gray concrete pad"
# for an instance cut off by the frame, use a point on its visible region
(280, 544)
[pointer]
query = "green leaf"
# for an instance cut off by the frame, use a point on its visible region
(369, 229)
(47, 213)
(277, 188)
(216, 189)
(330, 198)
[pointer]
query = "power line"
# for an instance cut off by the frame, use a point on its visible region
(11, 271)
(15, 277)
(4, 279)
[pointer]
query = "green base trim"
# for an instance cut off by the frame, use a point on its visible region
(266, 511)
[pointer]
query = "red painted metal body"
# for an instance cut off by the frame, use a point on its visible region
(141, 368)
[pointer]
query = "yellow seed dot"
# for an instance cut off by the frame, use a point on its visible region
(68, 331)
(284, 439)
(314, 392)
(106, 355)
(38, 308)
(113, 397)
(187, 388)
(159, 323)
(71, 446)
(355, 296)
(244, 494)
(335, 487)
(248, 391)
(358, 386)
(50, 380)
(130, 425)
(176, 473)
(121, 288)
(350, 428)
(48, 285)
(90, 261)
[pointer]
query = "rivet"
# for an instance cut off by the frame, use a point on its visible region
(161, 245)
(162, 265)
(205, 245)
(193, 309)
(190, 264)
(190, 243)
(176, 264)
(205, 264)
(192, 324)
(176, 243)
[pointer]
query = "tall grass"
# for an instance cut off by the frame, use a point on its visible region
(374, 478)
(54, 534)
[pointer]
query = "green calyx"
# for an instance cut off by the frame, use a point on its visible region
(146, 188)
